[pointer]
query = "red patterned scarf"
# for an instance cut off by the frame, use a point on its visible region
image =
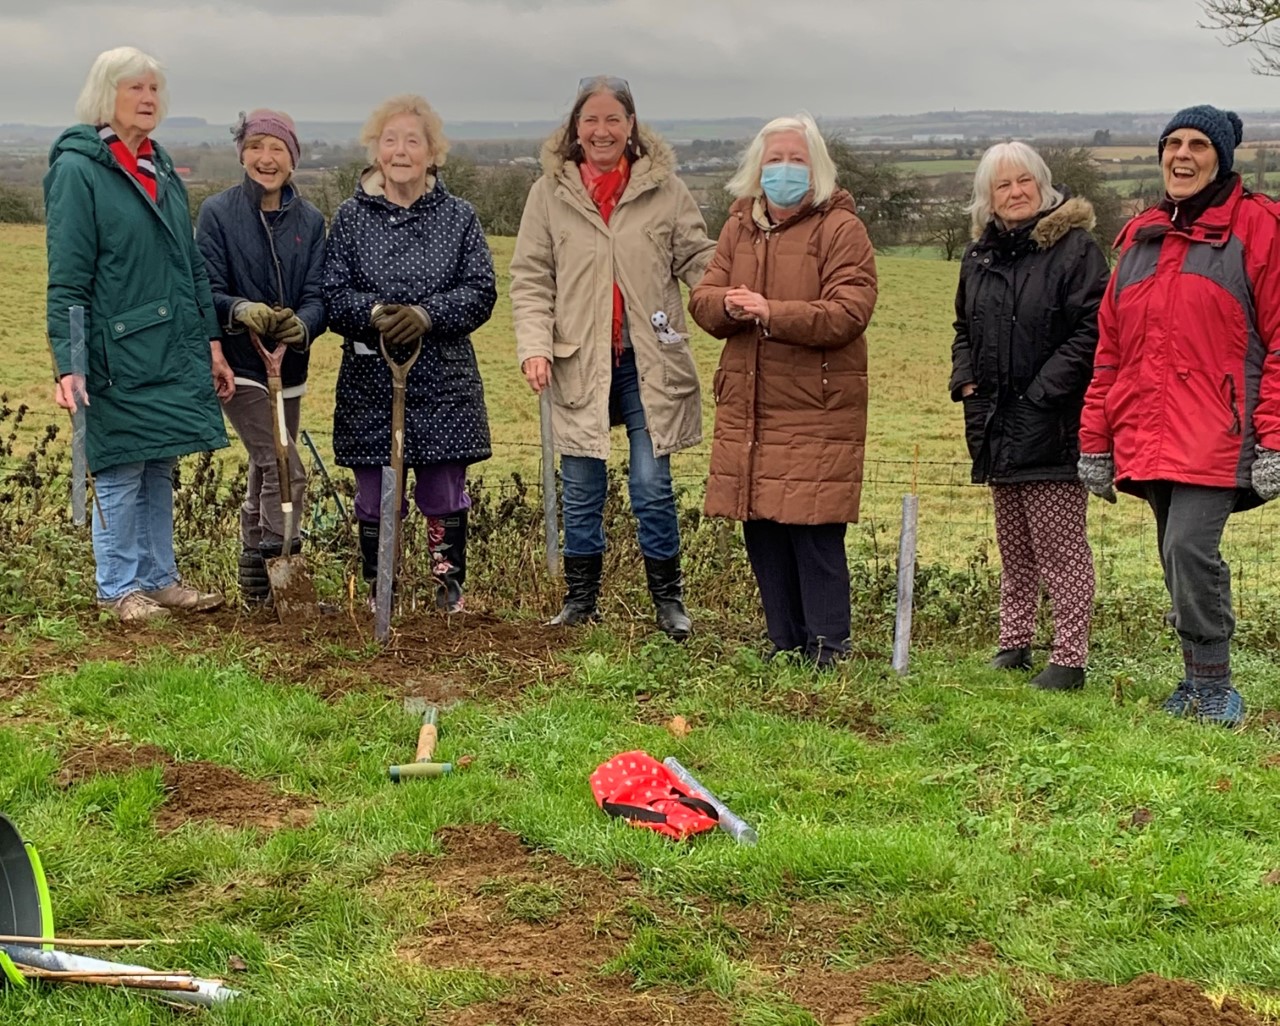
(606, 188)
(142, 167)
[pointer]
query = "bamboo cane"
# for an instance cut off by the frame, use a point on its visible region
(84, 943)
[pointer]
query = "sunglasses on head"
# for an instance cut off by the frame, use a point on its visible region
(618, 85)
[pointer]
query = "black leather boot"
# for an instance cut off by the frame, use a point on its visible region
(582, 579)
(449, 561)
(666, 585)
(255, 589)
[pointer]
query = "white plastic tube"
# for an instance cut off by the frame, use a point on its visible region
(210, 992)
(737, 828)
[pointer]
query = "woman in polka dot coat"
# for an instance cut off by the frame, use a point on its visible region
(408, 262)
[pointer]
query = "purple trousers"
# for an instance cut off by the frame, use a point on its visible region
(438, 490)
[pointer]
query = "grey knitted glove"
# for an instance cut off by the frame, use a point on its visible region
(1097, 471)
(1266, 473)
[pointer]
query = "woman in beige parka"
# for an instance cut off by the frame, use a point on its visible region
(607, 235)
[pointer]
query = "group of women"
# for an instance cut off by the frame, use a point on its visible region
(1159, 380)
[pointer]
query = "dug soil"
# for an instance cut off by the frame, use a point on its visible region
(547, 928)
(1146, 1001)
(200, 791)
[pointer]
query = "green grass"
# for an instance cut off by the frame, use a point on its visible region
(977, 810)
(928, 813)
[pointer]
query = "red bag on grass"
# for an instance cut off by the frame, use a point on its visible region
(638, 788)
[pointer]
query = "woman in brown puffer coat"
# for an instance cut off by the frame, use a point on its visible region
(791, 289)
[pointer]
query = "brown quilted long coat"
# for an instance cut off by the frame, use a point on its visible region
(791, 400)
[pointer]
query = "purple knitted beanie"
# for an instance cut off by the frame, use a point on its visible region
(275, 123)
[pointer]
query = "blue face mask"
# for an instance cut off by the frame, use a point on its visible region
(784, 184)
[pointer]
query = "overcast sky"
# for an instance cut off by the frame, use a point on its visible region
(521, 59)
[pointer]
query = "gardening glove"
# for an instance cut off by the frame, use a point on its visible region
(256, 317)
(289, 330)
(1266, 473)
(400, 325)
(1097, 472)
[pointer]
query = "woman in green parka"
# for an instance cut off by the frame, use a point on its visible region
(120, 245)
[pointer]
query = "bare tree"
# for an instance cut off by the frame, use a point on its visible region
(1248, 21)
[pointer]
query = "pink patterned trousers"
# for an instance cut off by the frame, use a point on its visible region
(1040, 529)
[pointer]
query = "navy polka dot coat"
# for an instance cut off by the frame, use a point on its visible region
(434, 255)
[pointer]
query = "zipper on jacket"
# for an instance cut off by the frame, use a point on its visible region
(271, 244)
(1230, 382)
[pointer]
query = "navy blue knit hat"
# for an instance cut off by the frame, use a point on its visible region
(1223, 127)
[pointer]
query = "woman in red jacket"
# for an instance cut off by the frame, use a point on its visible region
(1184, 407)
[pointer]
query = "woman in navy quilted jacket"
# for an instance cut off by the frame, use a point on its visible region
(263, 246)
(408, 263)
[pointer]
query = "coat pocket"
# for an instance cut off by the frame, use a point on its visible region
(1033, 436)
(568, 374)
(138, 346)
(976, 410)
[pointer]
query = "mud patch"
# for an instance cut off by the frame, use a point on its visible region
(109, 757)
(1147, 1001)
(838, 998)
(608, 1002)
(205, 791)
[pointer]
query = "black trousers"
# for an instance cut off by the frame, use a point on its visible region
(803, 576)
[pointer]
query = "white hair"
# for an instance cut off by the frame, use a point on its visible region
(97, 101)
(822, 169)
(1015, 154)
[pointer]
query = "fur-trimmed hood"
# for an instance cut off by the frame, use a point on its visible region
(1053, 225)
(657, 165)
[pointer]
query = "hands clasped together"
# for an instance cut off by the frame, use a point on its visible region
(742, 304)
(400, 324)
(267, 322)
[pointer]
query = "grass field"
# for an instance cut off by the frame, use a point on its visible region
(947, 848)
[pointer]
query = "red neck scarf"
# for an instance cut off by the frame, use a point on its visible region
(606, 188)
(141, 167)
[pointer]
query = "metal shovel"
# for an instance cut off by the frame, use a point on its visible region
(292, 591)
(392, 493)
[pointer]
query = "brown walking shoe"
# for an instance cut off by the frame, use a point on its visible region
(185, 598)
(134, 607)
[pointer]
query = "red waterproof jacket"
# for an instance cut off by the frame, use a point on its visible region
(1186, 377)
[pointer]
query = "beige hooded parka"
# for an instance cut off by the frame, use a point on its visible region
(566, 260)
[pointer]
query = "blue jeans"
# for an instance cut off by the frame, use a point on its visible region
(134, 548)
(652, 499)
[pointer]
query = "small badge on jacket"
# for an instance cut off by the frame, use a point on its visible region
(662, 327)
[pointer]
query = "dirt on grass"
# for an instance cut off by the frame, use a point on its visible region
(109, 757)
(1147, 1001)
(202, 791)
(840, 998)
(207, 791)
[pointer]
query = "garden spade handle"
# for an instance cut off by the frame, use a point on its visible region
(273, 360)
(393, 496)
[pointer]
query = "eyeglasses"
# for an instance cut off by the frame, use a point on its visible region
(1194, 145)
(618, 85)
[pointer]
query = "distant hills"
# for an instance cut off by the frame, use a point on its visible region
(942, 127)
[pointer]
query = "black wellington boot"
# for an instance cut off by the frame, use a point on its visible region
(449, 562)
(666, 585)
(582, 579)
(255, 589)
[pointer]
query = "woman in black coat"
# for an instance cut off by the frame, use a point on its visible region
(1026, 328)
(407, 262)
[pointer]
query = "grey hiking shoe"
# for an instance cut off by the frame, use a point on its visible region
(185, 598)
(134, 607)
(1182, 701)
(1223, 706)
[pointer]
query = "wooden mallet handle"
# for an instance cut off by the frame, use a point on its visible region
(426, 742)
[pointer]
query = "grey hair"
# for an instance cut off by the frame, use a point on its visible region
(822, 169)
(1020, 155)
(97, 101)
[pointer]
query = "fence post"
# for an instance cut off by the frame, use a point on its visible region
(906, 582)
